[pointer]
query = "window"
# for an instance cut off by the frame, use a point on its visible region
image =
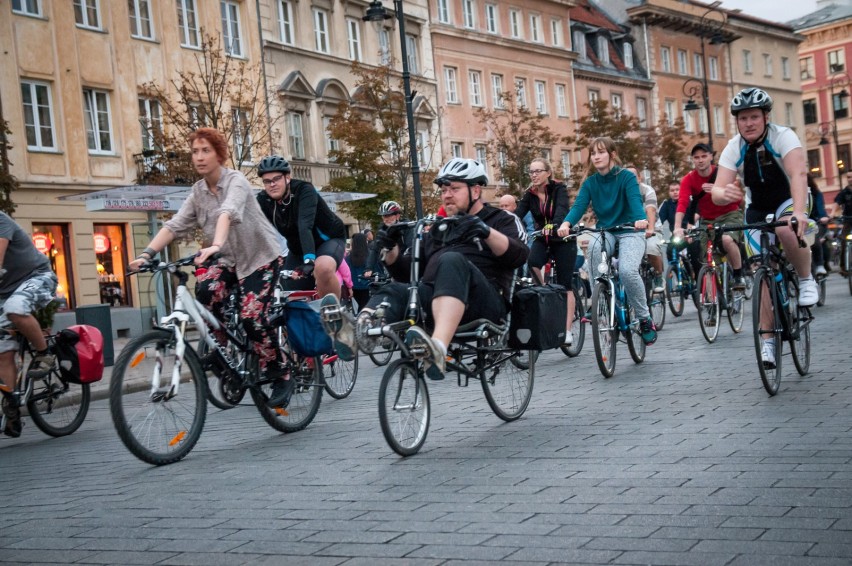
(666, 59)
(788, 112)
(58, 244)
(423, 146)
(515, 24)
(642, 111)
(840, 105)
(444, 11)
(561, 101)
(566, 163)
(767, 64)
(785, 68)
(617, 103)
(682, 63)
(451, 84)
(713, 65)
(188, 24)
(295, 135)
(412, 53)
(497, 90)
(150, 122)
(98, 124)
(469, 14)
(702, 121)
(285, 21)
(86, 14)
(141, 24)
(809, 108)
(475, 80)
(806, 68)
(836, 61)
(38, 116)
(521, 92)
(594, 95)
(842, 157)
(814, 167)
(482, 156)
(331, 144)
(231, 34)
(688, 123)
(321, 31)
(556, 32)
(628, 55)
(353, 32)
(747, 63)
(541, 97)
(603, 50)
(241, 121)
(384, 46)
(697, 65)
(110, 256)
(535, 28)
(27, 7)
(719, 119)
(456, 149)
(492, 18)
(671, 116)
(197, 115)
(578, 38)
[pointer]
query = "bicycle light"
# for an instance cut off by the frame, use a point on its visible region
(603, 268)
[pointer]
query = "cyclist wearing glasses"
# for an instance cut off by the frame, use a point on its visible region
(315, 235)
(547, 200)
(770, 160)
(467, 270)
(222, 205)
(27, 283)
(614, 195)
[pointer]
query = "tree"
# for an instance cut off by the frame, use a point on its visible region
(220, 92)
(373, 133)
(8, 182)
(516, 136)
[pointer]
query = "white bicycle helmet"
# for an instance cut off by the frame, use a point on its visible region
(468, 171)
(751, 97)
(389, 207)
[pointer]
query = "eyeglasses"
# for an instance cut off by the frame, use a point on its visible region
(448, 189)
(273, 180)
(536, 171)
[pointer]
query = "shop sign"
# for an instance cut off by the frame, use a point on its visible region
(41, 242)
(101, 244)
(134, 204)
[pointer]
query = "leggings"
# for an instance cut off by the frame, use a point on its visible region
(631, 250)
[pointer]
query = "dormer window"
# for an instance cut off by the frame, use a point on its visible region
(603, 50)
(628, 55)
(578, 38)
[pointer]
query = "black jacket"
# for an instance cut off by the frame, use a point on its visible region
(556, 205)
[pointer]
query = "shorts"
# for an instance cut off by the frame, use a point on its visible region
(753, 215)
(654, 246)
(31, 295)
(733, 218)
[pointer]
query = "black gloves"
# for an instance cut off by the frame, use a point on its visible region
(307, 268)
(391, 236)
(471, 227)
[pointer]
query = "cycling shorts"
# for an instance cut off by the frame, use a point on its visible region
(752, 215)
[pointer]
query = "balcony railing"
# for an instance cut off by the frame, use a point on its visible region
(164, 168)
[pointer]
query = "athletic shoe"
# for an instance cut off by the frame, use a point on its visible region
(282, 391)
(363, 323)
(648, 330)
(820, 270)
(13, 417)
(767, 354)
(808, 292)
(569, 338)
(339, 324)
(417, 339)
(41, 365)
(739, 284)
(658, 284)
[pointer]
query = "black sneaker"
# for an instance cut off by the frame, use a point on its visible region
(282, 391)
(13, 417)
(648, 331)
(41, 365)
(739, 284)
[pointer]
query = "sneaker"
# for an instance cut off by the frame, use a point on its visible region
(808, 292)
(416, 338)
(282, 391)
(339, 324)
(13, 417)
(569, 338)
(820, 270)
(658, 284)
(648, 331)
(363, 323)
(739, 284)
(767, 354)
(42, 365)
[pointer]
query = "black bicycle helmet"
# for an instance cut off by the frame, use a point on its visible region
(751, 97)
(390, 207)
(467, 171)
(272, 164)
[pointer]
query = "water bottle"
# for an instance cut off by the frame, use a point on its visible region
(781, 289)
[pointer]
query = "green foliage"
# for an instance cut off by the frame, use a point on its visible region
(45, 315)
(8, 182)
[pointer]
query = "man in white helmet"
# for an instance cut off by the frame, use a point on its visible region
(467, 266)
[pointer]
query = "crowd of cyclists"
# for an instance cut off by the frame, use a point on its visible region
(468, 265)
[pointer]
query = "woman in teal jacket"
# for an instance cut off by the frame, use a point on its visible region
(615, 198)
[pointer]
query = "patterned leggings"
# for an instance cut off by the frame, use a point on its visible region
(256, 294)
(631, 248)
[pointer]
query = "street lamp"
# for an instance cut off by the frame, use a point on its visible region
(841, 80)
(377, 14)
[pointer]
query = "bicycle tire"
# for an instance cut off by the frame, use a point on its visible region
(800, 331)
(222, 393)
(156, 428)
(306, 399)
(675, 295)
(404, 407)
(383, 353)
(821, 282)
(635, 343)
(57, 407)
(604, 337)
(708, 311)
(657, 309)
(508, 388)
(578, 329)
(849, 265)
(735, 304)
(339, 376)
(523, 361)
(764, 290)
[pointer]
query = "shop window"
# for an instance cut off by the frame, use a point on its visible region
(52, 240)
(111, 264)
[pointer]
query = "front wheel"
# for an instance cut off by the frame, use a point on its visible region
(339, 376)
(674, 291)
(708, 304)
(159, 426)
(604, 334)
(657, 308)
(58, 408)
(821, 281)
(578, 328)
(765, 299)
(404, 407)
(735, 299)
(508, 388)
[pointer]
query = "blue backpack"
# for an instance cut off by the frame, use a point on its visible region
(305, 331)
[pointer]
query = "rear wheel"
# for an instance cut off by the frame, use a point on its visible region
(404, 408)
(578, 328)
(58, 408)
(382, 353)
(674, 291)
(764, 298)
(339, 376)
(158, 426)
(657, 308)
(735, 302)
(507, 387)
(635, 343)
(604, 334)
(708, 309)
(223, 388)
(821, 281)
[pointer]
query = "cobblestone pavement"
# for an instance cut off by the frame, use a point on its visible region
(683, 459)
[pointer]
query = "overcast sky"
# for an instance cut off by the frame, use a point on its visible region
(773, 10)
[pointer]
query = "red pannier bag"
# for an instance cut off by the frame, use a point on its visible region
(80, 352)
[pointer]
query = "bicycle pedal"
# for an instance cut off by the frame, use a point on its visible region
(332, 313)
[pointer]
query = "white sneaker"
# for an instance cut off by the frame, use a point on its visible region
(808, 292)
(768, 354)
(569, 338)
(820, 270)
(658, 284)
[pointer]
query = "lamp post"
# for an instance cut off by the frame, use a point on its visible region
(842, 80)
(711, 24)
(377, 14)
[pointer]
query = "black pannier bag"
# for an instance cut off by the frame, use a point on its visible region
(539, 313)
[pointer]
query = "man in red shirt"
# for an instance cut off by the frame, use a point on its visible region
(697, 185)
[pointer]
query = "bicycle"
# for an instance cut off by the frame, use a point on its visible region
(679, 278)
(656, 299)
(57, 405)
(776, 287)
(158, 391)
(716, 290)
(611, 316)
(479, 351)
(384, 350)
